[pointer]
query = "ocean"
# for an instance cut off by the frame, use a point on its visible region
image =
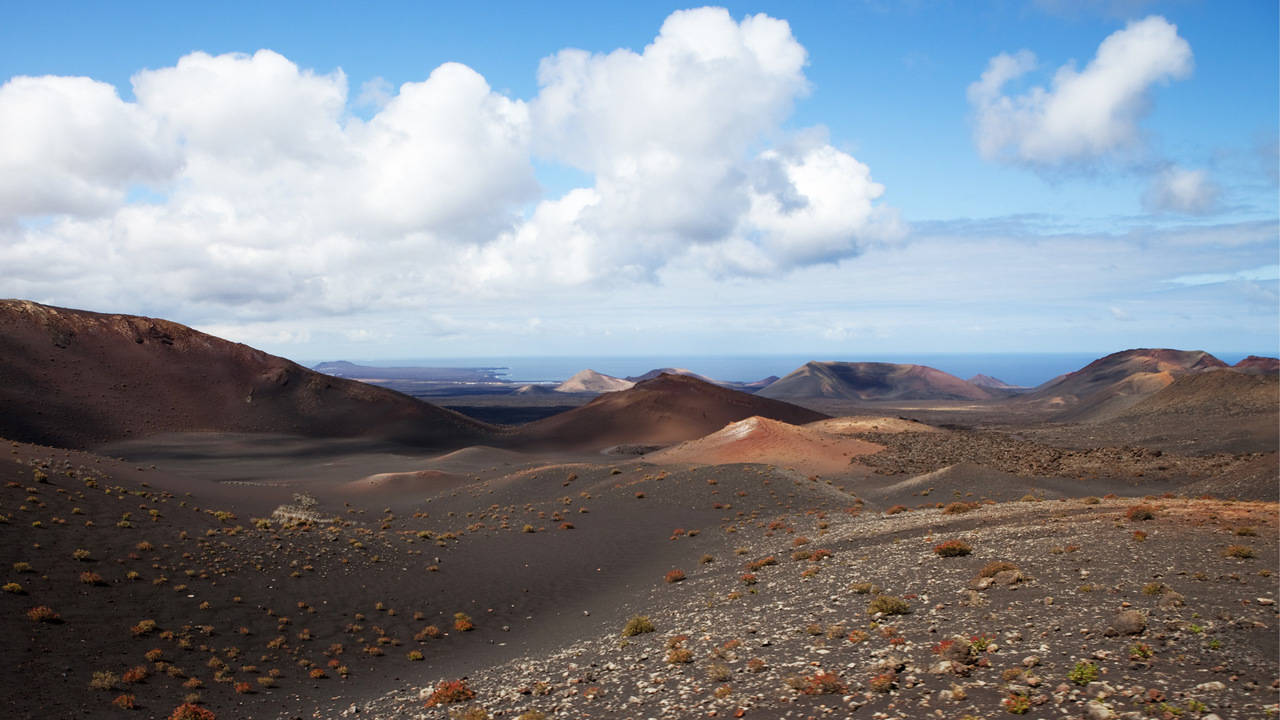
(1026, 369)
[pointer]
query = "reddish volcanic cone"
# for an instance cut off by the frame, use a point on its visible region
(667, 409)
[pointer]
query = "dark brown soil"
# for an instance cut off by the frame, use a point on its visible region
(73, 378)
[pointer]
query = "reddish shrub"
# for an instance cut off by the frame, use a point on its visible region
(450, 691)
(952, 548)
(191, 711)
(823, 683)
(43, 613)
(675, 576)
(1140, 512)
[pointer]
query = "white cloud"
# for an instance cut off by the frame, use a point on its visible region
(1086, 114)
(1178, 189)
(671, 136)
(71, 145)
(270, 196)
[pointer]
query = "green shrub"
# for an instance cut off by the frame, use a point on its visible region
(637, 625)
(888, 605)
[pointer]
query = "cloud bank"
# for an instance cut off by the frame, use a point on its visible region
(243, 181)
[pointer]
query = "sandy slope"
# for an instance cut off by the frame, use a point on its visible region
(760, 440)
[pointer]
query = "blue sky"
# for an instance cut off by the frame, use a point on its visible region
(838, 183)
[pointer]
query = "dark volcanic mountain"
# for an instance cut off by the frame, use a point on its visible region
(661, 411)
(75, 378)
(1256, 365)
(874, 381)
(1111, 384)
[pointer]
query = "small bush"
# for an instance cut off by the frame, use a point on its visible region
(888, 605)
(992, 569)
(243, 688)
(14, 588)
(124, 702)
(952, 548)
(896, 509)
(1243, 552)
(414, 655)
(957, 508)
(1083, 673)
(43, 613)
(462, 622)
(82, 555)
(637, 625)
(135, 674)
(191, 711)
(1140, 512)
(761, 563)
(450, 691)
(679, 655)
(674, 576)
(823, 683)
(884, 682)
(1246, 531)
(104, 680)
(749, 579)
(145, 627)
(1016, 704)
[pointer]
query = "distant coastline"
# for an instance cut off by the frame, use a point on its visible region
(1023, 369)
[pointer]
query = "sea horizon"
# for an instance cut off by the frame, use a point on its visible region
(1022, 369)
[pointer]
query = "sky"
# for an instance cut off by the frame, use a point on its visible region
(426, 180)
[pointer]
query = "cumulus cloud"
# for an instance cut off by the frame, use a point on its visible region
(670, 135)
(269, 194)
(70, 145)
(1085, 115)
(1180, 190)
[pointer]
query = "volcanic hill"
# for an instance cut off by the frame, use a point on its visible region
(769, 442)
(874, 381)
(667, 409)
(74, 378)
(590, 381)
(1109, 385)
(1258, 365)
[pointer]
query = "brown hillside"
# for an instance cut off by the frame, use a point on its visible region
(1213, 393)
(873, 381)
(667, 409)
(1109, 385)
(1255, 364)
(74, 378)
